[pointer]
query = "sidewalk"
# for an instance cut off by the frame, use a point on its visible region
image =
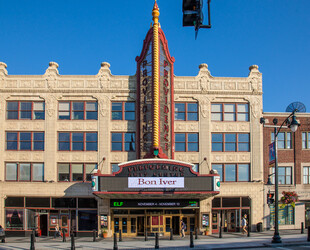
(229, 241)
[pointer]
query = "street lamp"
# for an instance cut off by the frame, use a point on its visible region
(293, 124)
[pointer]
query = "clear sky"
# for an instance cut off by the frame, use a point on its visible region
(79, 35)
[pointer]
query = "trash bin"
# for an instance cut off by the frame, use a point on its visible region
(259, 227)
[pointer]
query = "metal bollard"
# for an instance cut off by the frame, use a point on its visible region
(196, 233)
(115, 247)
(191, 245)
(94, 235)
(249, 229)
(156, 241)
(171, 234)
(32, 247)
(145, 235)
(302, 228)
(64, 235)
(120, 235)
(220, 234)
(308, 238)
(72, 241)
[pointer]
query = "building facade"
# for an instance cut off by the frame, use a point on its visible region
(60, 131)
(293, 171)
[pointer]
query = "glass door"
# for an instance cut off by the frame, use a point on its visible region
(215, 221)
(65, 224)
(168, 223)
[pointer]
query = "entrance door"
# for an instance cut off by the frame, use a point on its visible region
(215, 222)
(43, 225)
(176, 224)
(140, 224)
(65, 224)
(168, 224)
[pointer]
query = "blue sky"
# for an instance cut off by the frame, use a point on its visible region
(79, 35)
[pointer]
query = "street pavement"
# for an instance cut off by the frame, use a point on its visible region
(290, 239)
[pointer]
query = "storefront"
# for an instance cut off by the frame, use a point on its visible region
(25, 214)
(228, 212)
(154, 195)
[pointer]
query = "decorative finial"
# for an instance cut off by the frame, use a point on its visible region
(155, 12)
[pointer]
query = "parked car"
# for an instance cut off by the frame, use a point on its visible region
(2, 235)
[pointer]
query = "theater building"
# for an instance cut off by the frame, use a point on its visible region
(131, 153)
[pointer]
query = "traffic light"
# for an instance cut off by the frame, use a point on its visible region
(270, 199)
(193, 16)
(192, 13)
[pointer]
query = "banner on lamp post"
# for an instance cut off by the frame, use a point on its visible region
(272, 153)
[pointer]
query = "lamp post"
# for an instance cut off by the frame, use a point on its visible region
(293, 124)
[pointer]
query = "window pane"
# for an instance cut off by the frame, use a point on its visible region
(91, 106)
(38, 106)
(24, 172)
(130, 116)
(63, 172)
(243, 117)
(243, 137)
(25, 106)
(219, 169)
(230, 137)
(116, 146)
(77, 137)
(12, 106)
(230, 146)
(115, 168)
(192, 116)
(192, 137)
(243, 108)
(25, 114)
(179, 116)
(129, 106)
(229, 108)
(91, 137)
(116, 115)
(12, 115)
(192, 147)
(11, 172)
(180, 147)
(243, 172)
(216, 107)
(77, 106)
(229, 117)
(217, 138)
(77, 172)
(192, 107)
(38, 172)
(78, 115)
(230, 172)
(77, 146)
(25, 136)
(180, 137)
(88, 169)
(116, 106)
(179, 107)
(216, 116)
(91, 146)
(117, 137)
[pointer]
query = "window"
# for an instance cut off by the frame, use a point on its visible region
(123, 111)
(25, 110)
(233, 172)
(123, 142)
(284, 175)
(25, 141)
(305, 140)
(24, 171)
(195, 168)
(231, 142)
(82, 110)
(75, 171)
(230, 112)
(186, 111)
(77, 141)
(306, 175)
(284, 140)
(186, 142)
(286, 215)
(115, 167)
